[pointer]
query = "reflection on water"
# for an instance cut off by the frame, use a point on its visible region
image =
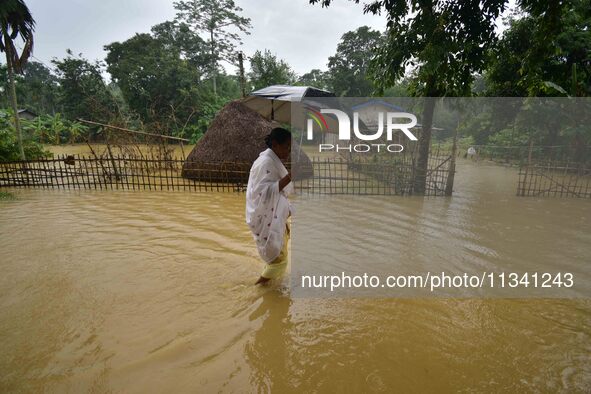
(271, 341)
(149, 291)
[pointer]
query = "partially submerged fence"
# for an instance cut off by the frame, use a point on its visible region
(537, 178)
(520, 154)
(555, 179)
(116, 172)
(340, 176)
(330, 176)
(551, 171)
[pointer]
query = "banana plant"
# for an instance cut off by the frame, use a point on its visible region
(76, 130)
(56, 127)
(36, 128)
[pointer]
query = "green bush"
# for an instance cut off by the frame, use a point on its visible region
(9, 150)
(463, 143)
(509, 137)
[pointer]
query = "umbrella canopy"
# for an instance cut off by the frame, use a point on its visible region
(290, 93)
(274, 102)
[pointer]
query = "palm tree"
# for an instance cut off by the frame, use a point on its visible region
(16, 20)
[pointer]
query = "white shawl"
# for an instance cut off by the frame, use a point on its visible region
(267, 209)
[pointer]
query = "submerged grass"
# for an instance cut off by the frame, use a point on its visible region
(7, 196)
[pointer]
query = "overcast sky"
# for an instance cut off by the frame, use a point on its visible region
(302, 34)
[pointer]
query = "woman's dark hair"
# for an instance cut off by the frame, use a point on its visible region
(278, 135)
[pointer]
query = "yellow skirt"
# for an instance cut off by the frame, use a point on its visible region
(277, 267)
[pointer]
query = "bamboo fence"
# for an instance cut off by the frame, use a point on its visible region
(121, 172)
(539, 175)
(549, 172)
(554, 179)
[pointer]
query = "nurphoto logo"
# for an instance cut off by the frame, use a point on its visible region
(392, 123)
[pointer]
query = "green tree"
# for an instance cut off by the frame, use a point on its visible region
(534, 59)
(36, 88)
(503, 74)
(178, 38)
(16, 20)
(217, 19)
(157, 84)
(82, 90)
(316, 78)
(348, 67)
(544, 52)
(445, 41)
(266, 69)
(400, 89)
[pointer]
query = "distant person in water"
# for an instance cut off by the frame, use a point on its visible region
(267, 205)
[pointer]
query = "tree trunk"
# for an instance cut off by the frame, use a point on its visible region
(241, 73)
(11, 81)
(214, 62)
(422, 163)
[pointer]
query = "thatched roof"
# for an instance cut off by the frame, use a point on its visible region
(231, 144)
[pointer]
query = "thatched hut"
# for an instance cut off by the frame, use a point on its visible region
(231, 144)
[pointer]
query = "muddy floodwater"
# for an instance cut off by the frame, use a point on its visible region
(135, 292)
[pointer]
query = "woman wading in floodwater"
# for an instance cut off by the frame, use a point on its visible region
(267, 206)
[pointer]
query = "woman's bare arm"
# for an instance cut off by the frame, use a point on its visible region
(284, 181)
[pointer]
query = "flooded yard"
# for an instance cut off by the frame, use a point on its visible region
(117, 291)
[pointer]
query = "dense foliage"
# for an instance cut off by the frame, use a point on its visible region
(267, 70)
(9, 150)
(170, 80)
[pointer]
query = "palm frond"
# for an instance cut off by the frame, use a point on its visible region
(16, 20)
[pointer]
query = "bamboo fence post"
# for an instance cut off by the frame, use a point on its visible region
(66, 171)
(47, 174)
(141, 170)
(87, 162)
(131, 172)
(76, 172)
(83, 171)
(452, 164)
(116, 172)
(169, 184)
(160, 178)
(531, 144)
